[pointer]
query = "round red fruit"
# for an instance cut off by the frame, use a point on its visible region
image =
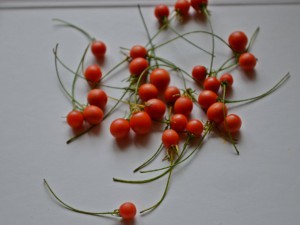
(232, 123)
(161, 12)
(238, 41)
(183, 105)
(155, 108)
(198, 4)
(138, 51)
(98, 49)
(93, 114)
(194, 127)
(226, 79)
(206, 98)
(75, 119)
(137, 66)
(127, 211)
(217, 112)
(170, 138)
(199, 73)
(178, 122)
(171, 94)
(160, 78)
(97, 97)
(119, 128)
(247, 61)
(93, 73)
(140, 122)
(182, 7)
(212, 83)
(147, 91)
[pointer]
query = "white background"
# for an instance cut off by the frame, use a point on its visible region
(261, 186)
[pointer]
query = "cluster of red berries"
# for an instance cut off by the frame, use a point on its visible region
(153, 99)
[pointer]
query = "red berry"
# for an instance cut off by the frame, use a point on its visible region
(160, 78)
(137, 66)
(155, 108)
(206, 98)
(140, 122)
(93, 73)
(147, 91)
(93, 114)
(212, 83)
(226, 79)
(232, 123)
(75, 119)
(247, 61)
(161, 12)
(199, 73)
(98, 49)
(182, 7)
(217, 112)
(194, 127)
(119, 128)
(183, 105)
(170, 138)
(238, 41)
(97, 97)
(127, 211)
(171, 94)
(138, 51)
(178, 122)
(198, 4)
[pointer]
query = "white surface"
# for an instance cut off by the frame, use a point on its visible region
(261, 186)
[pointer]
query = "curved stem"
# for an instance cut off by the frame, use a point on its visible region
(60, 81)
(75, 27)
(165, 191)
(277, 85)
(213, 39)
(158, 151)
(74, 209)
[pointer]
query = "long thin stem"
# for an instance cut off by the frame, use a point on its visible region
(213, 39)
(253, 37)
(60, 81)
(115, 213)
(75, 27)
(165, 191)
(274, 88)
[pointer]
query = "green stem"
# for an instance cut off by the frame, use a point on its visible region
(75, 76)
(253, 37)
(165, 191)
(65, 205)
(115, 67)
(158, 151)
(274, 88)
(60, 81)
(213, 39)
(75, 27)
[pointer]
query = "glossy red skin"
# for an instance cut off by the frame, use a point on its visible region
(247, 61)
(93, 73)
(98, 49)
(232, 123)
(198, 4)
(140, 123)
(183, 105)
(238, 41)
(147, 91)
(160, 78)
(138, 51)
(199, 73)
(217, 112)
(171, 94)
(195, 127)
(137, 66)
(75, 119)
(170, 138)
(161, 12)
(120, 128)
(97, 97)
(206, 98)
(127, 211)
(182, 7)
(156, 108)
(178, 122)
(226, 79)
(212, 83)
(93, 114)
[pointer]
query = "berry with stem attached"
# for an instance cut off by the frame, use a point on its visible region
(182, 7)
(238, 41)
(93, 74)
(217, 112)
(183, 105)
(140, 122)
(137, 66)
(147, 91)
(161, 12)
(160, 78)
(247, 61)
(178, 122)
(171, 94)
(194, 127)
(98, 49)
(206, 98)
(155, 108)
(75, 119)
(92, 114)
(120, 128)
(97, 97)
(137, 51)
